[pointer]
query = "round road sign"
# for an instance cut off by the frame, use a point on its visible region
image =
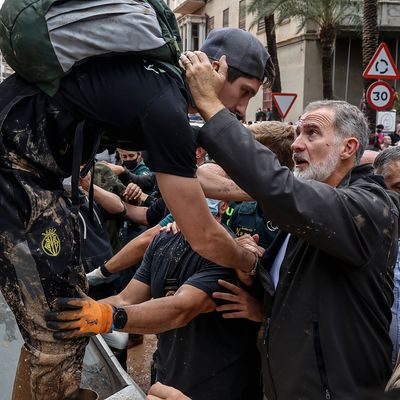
(380, 96)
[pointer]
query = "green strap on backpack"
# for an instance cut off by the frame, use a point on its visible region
(43, 39)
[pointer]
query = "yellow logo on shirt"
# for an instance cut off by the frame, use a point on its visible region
(51, 243)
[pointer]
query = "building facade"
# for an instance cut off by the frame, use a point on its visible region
(299, 52)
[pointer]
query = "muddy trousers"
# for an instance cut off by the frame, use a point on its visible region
(39, 261)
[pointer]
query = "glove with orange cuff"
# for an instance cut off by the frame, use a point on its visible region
(79, 317)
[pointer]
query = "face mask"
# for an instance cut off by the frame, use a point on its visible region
(213, 206)
(130, 164)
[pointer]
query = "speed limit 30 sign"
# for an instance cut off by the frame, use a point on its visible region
(380, 96)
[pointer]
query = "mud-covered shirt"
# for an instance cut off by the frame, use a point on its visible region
(130, 101)
(211, 358)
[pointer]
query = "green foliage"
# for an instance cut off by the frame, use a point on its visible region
(258, 9)
(320, 12)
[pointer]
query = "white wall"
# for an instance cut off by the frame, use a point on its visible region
(291, 63)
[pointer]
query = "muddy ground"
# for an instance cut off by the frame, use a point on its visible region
(139, 360)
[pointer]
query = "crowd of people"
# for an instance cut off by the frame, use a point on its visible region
(380, 140)
(263, 257)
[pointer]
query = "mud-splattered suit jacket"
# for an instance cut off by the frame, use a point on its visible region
(326, 335)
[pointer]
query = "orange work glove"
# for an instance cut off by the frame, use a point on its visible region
(79, 317)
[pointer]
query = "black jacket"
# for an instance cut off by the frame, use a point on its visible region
(145, 182)
(327, 336)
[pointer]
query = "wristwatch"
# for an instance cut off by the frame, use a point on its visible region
(120, 318)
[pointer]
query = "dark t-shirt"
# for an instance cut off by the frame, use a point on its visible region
(134, 104)
(211, 358)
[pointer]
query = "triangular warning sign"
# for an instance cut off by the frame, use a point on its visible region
(284, 102)
(381, 65)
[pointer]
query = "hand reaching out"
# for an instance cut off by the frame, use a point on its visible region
(162, 392)
(79, 317)
(132, 192)
(85, 181)
(205, 81)
(242, 304)
(250, 243)
(171, 227)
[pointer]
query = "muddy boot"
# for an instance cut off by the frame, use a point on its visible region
(22, 381)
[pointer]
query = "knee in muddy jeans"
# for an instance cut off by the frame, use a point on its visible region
(49, 376)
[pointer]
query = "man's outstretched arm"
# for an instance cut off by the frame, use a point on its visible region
(201, 230)
(133, 251)
(109, 201)
(85, 316)
(166, 313)
(129, 255)
(217, 187)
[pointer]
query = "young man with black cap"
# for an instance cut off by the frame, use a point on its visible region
(249, 65)
(134, 104)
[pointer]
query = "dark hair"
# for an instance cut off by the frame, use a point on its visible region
(234, 73)
(385, 158)
(379, 126)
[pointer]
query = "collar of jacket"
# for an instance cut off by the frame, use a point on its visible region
(139, 164)
(365, 171)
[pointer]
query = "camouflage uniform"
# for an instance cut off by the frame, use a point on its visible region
(106, 179)
(39, 247)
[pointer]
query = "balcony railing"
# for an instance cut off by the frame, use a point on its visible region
(388, 17)
(188, 6)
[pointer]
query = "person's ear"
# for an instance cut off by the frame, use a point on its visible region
(200, 152)
(221, 65)
(215, 65)
(349, 148)
(223, 206)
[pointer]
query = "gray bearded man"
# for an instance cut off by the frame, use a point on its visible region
(326, 331)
